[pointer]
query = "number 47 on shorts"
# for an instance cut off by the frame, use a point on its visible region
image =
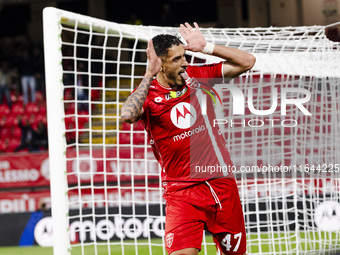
(226, 242)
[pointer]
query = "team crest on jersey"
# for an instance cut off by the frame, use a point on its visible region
(158, 99)
(169, 239)
(183, 115)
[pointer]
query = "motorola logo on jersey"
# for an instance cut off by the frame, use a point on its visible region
(183, 115)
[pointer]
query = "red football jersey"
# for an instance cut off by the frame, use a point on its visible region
(189, 148)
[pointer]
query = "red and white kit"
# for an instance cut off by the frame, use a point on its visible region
(185, 142)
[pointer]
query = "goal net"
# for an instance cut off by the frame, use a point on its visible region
(280, 121)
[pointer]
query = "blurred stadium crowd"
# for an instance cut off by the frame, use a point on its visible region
(22, 96)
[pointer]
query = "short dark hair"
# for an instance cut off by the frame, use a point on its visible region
(163, 42)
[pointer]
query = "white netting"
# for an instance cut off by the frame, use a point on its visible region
(113, 185)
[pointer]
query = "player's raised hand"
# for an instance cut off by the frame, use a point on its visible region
(194, 37)
(155, 62)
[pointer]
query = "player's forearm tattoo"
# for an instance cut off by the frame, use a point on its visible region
(132, 107)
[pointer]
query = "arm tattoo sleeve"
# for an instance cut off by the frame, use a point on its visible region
(132, 108)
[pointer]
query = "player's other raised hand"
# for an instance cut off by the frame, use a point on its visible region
(154, 64)
(194, 38)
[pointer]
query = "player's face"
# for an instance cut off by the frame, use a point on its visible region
(173, 65)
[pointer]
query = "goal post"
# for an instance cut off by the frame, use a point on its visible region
(56, 137)
(106, 190)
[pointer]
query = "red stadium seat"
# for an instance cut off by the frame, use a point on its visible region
(83, 117)
(11, 120)
(138, 126)
(124, 138)
(42, 109)
(5, 133)
(69, 125)
(34, 124)
(3, 145)
(69, 108)
(20, 99)
(13, 144)
(16, 132)
(95, 94)
(17, 109)
(126, 126)
(32, 119)
(2, 121)
(42, 117)
(25, 117)
(138, 138)
(68, 94)
(70, 120)
(31, 108)
(39, 96)
(238, 134)
(4, 110)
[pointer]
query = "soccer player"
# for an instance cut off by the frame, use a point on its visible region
(185, 140)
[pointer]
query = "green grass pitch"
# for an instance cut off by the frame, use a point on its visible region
(284, 244)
